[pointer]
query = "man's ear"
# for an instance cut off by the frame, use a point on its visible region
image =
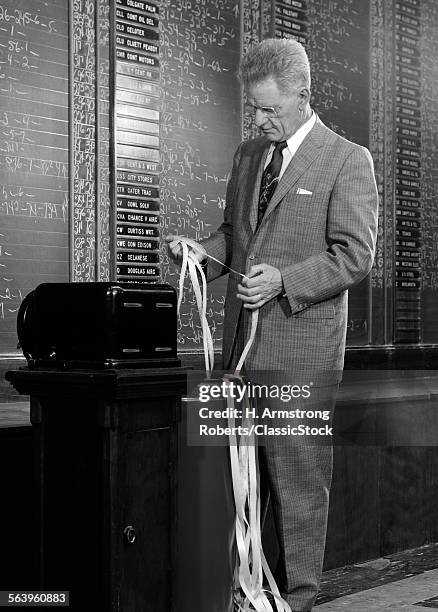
(304, 94)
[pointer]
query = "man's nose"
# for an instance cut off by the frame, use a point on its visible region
(260, 118)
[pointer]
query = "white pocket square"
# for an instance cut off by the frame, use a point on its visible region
(303, 191)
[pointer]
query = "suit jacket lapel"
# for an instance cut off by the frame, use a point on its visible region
(307, 152)
(259, 163)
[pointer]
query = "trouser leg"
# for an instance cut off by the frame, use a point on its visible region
(298, 473)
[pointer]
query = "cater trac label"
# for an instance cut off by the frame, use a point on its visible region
(138, 191)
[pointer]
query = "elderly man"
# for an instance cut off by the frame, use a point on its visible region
(300, 220)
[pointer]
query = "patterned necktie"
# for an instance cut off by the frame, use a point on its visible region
(270, 179)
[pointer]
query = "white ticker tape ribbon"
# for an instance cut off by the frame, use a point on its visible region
(252, 563)
(190, 261)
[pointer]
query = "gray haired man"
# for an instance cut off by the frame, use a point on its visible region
(301, 221)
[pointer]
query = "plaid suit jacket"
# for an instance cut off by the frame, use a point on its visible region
(323, 242)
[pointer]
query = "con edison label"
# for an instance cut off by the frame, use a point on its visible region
(128, 257)
(137, 190)
(139, 5)
(137, 243)
(143, 232)
(137, 270)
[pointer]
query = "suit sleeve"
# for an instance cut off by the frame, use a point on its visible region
(351, 238)
(220, 243)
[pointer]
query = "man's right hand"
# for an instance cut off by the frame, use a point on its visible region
(175, 249)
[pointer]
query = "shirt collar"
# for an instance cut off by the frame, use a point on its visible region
(296, 139)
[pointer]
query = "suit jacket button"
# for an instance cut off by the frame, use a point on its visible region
(252, 256)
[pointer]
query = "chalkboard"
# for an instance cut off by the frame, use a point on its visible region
(34, 161)
(337, 40)
(339, 51)
(200, 128)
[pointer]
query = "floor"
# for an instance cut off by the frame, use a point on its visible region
(405, 581)
(14, 414)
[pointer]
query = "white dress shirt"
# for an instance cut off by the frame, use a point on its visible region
(292, 144)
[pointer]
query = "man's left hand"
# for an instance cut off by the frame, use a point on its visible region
(261, 284)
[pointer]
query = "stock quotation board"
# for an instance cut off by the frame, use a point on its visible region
(137, 123)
